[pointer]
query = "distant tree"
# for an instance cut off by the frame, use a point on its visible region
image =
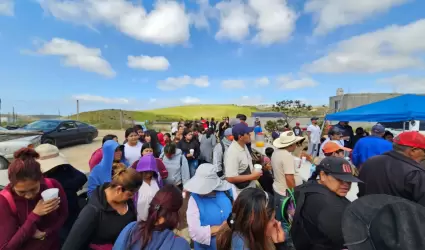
(271, 126)
(292, 109)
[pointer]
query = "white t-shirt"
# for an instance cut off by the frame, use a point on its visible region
(146, 194)
(133, 153)
(314, 133)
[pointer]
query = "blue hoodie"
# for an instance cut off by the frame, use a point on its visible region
(368, 147)
(161, 240)
(102, 172)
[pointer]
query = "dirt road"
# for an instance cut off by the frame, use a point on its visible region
(79, 155)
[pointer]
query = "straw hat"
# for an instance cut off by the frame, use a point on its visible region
(50, 157)
(287, 139)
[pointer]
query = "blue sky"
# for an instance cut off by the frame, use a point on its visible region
(148, 54)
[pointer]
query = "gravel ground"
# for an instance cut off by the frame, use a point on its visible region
(79, 155)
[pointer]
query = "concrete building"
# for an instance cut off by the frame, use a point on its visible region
(342, 101)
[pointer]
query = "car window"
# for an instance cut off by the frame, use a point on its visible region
(1, 128)
(81, 124)
(42, 125)
(68, 125)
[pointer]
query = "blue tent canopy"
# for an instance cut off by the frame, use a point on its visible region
(402, 108)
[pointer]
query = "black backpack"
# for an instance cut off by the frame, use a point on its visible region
(223, 148)
(299, 235)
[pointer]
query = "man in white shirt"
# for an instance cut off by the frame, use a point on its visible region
(314, 134)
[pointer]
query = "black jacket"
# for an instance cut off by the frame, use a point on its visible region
(393, 174)
(72, 181)
(317, 221)
(185, 146)
(98, 223)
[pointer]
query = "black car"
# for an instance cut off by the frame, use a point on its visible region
(63, 132)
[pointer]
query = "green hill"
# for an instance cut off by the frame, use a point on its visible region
(110, 119)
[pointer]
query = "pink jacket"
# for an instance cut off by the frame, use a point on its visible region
(95, 159)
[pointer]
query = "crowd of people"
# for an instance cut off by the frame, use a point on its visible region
(203, 186)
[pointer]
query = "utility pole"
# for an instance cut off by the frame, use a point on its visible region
(121, 119)
(78, 110)
(13, 115)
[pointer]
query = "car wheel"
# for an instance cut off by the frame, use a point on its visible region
(49, 141)
(89, 138)
(4, 164)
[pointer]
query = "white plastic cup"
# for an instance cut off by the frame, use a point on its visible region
(50, 194)
(192, 151)
(304, 159)
(258, 168)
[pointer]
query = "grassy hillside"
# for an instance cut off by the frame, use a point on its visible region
(109, 119)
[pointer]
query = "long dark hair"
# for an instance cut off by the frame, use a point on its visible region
(154, 142)
(166, 204)
(251, 212)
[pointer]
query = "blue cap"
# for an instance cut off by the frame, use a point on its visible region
(378, 129)
(241, 129)
(228, 132)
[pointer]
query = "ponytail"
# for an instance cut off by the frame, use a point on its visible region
(224, 236)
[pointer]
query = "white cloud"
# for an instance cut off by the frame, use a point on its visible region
(154, 63)
(233, 84)
(172, 83)
(167, 23)
(101, 99)
(263, 81)
(152, 100)
(392, 48)
(7, 7)
(288, 82)
(273, 20)
(405, 83)
(332, 14)
(77, 55)
(235, 20)
(190, 100)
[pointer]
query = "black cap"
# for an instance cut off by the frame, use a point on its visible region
(338, 168)
(314, 119)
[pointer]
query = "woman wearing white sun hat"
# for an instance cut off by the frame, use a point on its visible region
(283, 164)
(55, 165)
(209, 205)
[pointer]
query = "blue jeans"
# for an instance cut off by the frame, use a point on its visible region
(193, 165)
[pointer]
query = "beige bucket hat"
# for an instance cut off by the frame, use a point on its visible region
(50, 157)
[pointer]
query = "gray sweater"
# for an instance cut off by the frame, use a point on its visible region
(177, 167)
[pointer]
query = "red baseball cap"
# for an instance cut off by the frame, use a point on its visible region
(412, 139)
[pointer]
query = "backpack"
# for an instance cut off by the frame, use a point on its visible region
(298, 233)
(287, 209)
(223, 149)
(9, 198)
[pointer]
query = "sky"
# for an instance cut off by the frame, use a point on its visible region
(147, 54)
